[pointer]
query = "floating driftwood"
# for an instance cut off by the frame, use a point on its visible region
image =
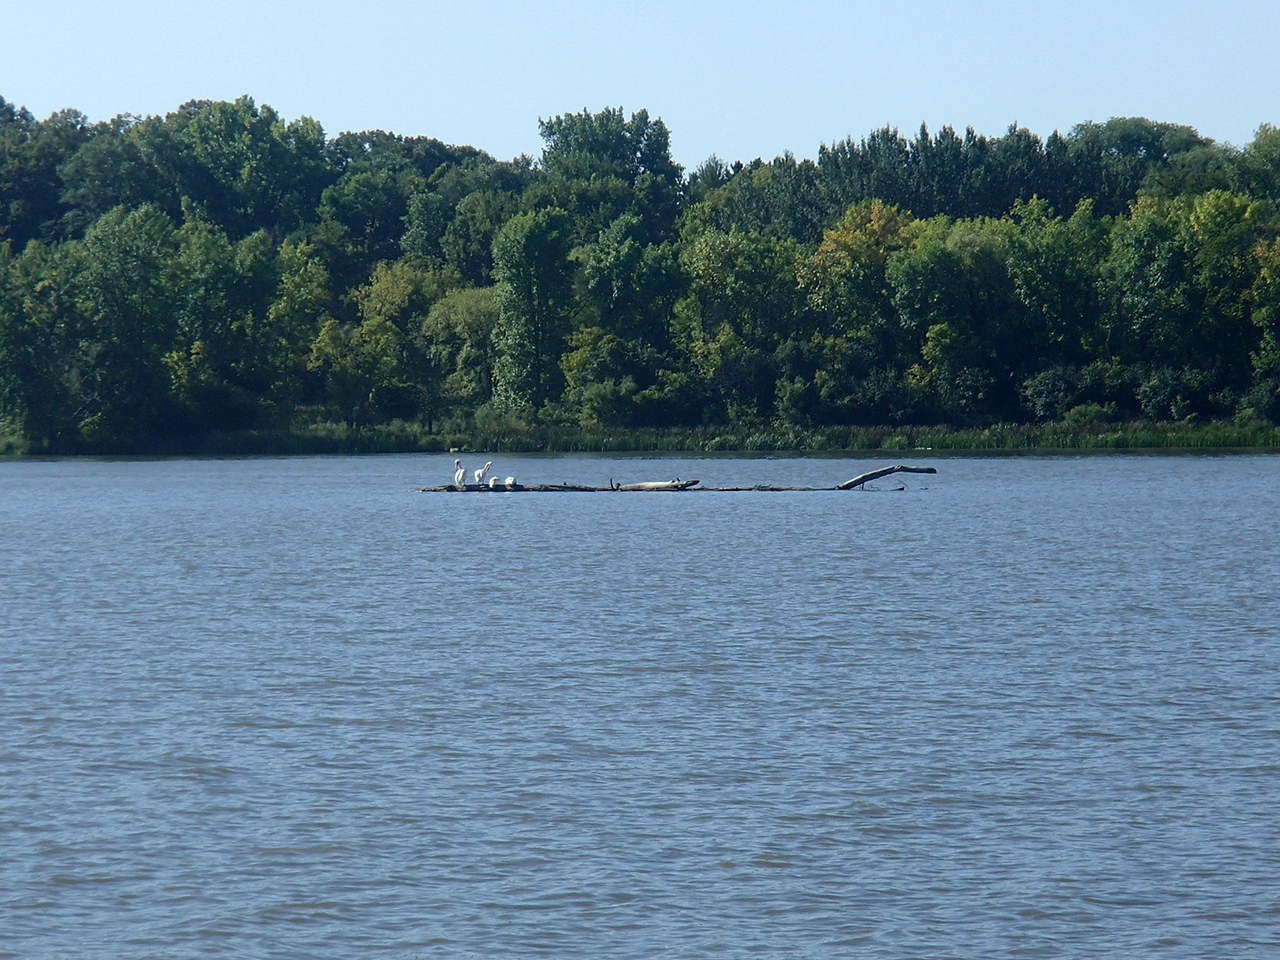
(672, 486)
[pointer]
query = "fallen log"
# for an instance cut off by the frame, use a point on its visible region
(882, 472)
(664, 485)
(514, 488)
(655, 485)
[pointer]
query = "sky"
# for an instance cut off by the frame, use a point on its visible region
(740, 79)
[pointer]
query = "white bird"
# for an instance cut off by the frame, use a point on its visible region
(511, 482)
(483, 471)
(493, 483)
(460, 476)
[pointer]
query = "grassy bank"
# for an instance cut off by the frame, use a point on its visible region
(399, 437)
(1008, 437)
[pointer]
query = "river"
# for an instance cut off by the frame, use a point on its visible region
(1025, 707)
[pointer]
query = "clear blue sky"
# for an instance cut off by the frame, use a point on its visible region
(738, 79)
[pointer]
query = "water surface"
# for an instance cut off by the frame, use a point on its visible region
(294, 707)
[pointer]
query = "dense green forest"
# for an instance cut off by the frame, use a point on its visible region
(223, 269)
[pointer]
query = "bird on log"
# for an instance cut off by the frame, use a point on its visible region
(672, 486)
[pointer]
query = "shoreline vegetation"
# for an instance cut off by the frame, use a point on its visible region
(320, 439)
(223, 281)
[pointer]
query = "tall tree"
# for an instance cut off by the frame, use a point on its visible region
(1111, 160)
(241, 166)
(130, 326)
(1054, 265)
(535, 286)
(30, 154)
(599, 166)
(457, 338)
(744, 302)
(41, 326)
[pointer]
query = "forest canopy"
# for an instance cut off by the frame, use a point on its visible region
(222, 268)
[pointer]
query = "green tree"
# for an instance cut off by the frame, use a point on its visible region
(363, 218)
(744, 302)
(1179, 273)
(603, 375)
(30, 154)
(598, 166)
(1148, 285)
(1223, 232)
(126, 282)
(467, 243)
(302, 306)
(848, 370)
(111, 170)
(1263, 398)
(457, 337)
(626, 287)
(955, 298)
(1055, 268)
(380, 151)
(1256, 169)
(1181, 278)
(221, 363)
(402, 293)
(425, 221)
(535, 286)
(241, 166)
(781, 198)
(41, 325)
(845, 281)
(1111, 160)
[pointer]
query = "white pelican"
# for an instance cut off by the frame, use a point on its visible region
(483, 472)
(493, 483)
(460, 475)
(511, 482)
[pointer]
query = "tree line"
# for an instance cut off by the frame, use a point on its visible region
(221, 268)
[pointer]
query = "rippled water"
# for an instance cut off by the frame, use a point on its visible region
(1027, 707)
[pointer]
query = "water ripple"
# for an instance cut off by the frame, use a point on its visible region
(275, 708)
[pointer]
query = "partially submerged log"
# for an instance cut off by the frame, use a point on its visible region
(663, 485)
(655, 485)
(883, 472)
(560, 487)
(513, 488)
